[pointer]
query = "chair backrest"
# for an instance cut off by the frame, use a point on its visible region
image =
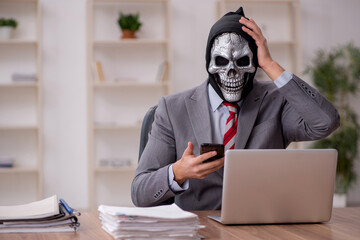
(144, 135)
(146, 128)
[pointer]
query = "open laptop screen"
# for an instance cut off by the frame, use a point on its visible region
(278, 186)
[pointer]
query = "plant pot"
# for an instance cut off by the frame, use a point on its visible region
(128, 34)
(6, 33)
(339, 200)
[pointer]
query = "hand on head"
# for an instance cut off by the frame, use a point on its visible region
(270, 67)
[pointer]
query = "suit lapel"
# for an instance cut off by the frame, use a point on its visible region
(247, 116)
(198, 110)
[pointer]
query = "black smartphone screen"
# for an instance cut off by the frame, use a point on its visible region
(207, 147)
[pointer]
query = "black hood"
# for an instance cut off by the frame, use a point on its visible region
(230, 23)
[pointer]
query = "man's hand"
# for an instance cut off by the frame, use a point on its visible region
(270, 67)
(190, 166)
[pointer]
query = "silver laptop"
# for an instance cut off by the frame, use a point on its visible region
(278, 186)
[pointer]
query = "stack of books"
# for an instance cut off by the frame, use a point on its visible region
(162, 222)
(47, 215)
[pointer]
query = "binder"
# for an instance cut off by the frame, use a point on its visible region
(47, 215)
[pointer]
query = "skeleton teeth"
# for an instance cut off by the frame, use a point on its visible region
(231, 83)
(232, 89)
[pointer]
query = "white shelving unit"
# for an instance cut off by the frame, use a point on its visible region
(133, 82)
(21, 104)
(279, 21)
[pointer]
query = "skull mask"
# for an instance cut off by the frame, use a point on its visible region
(231, 59)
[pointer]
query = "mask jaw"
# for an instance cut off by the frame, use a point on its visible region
(231, 60)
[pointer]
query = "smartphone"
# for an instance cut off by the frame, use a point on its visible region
(208, 147)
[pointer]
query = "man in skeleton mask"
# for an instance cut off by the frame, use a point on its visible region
(269, 115)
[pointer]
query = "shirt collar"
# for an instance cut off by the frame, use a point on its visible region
(215, 100)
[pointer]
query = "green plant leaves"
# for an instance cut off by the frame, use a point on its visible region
(337, 75)
(10, 22)
(129, 22)
(345, 141)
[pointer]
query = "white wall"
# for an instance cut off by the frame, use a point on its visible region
(64, 94)
(324, 24)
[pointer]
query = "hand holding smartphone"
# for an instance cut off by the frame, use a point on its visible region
(207, 147)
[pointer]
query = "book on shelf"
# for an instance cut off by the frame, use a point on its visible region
(115, 162)
(98, 72)
(6, 162)
(161, 222)
(162, 72)
(46, 215)
(23, 78)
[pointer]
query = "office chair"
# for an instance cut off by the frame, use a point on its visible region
(146, 128)
(144, 135)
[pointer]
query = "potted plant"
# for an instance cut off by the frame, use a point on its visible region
(337, 75)
(7, 27)
(129, 24)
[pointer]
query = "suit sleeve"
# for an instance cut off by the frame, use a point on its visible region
(150, 184)
(307, 115)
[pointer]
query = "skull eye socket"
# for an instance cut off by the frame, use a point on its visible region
(244, 61)
(220, 61)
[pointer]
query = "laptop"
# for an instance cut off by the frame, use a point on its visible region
(278, 186)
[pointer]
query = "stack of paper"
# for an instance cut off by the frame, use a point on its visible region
(47, 215)
(162, 222)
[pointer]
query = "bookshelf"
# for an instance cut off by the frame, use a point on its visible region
(21, 104)
(134, 74)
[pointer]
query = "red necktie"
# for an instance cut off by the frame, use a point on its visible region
(231, 126)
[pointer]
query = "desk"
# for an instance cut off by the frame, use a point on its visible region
(344, 224)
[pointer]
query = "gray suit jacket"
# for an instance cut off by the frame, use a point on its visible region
(270, 118)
